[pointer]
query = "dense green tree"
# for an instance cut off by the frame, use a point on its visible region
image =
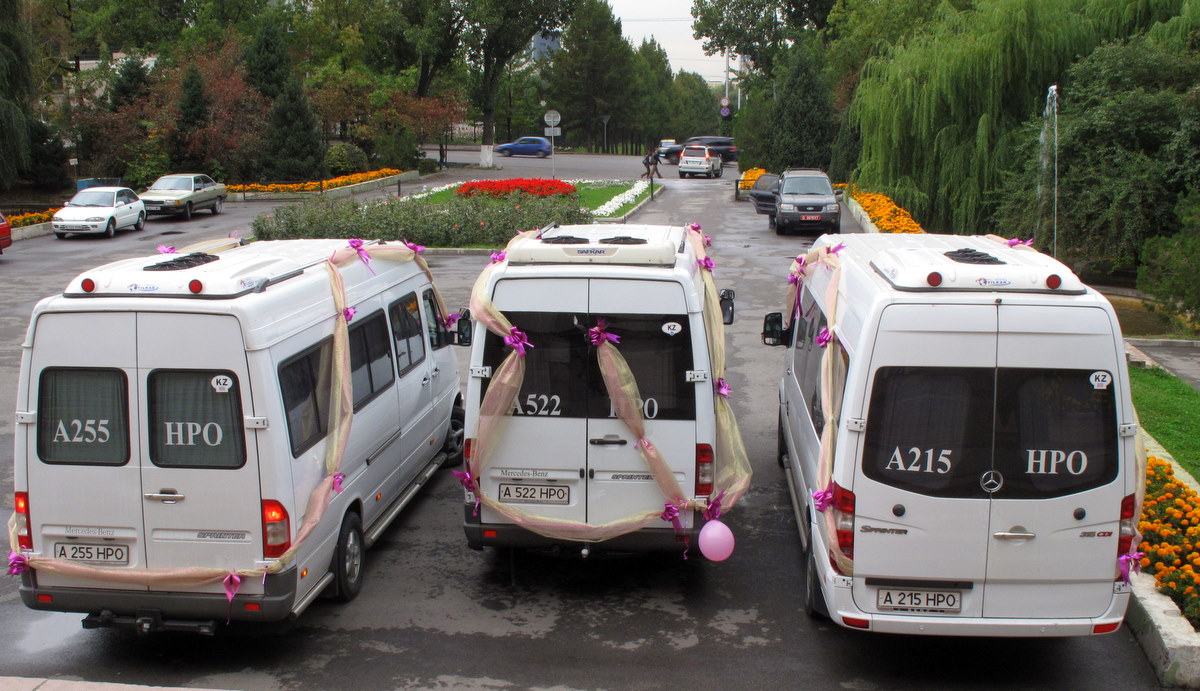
(802, 122)
(130, 84)
(421, 35)
(759, 29)
(294, 144)
(268, 65)
(16, 91)
(693, 107)
(519, 100)
(1171, 263)
(650, 106)
(590, 76)
(47, 167)
(753, 125)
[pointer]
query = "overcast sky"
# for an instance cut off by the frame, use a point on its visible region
(670, 23)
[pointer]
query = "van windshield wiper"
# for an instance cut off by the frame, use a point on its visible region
(623, 240)
(565, 240)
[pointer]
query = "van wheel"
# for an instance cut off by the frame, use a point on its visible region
(348, 559)
(455, 438)
(781, 446)
(814, 600)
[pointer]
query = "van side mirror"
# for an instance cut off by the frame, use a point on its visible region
(773, 333)
(463, 327)
(839, 194)
(726, 296)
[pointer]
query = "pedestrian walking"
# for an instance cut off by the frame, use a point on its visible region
(646, 161)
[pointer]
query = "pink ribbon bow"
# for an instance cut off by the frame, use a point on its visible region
(644, 443)
(707, 263)
(498, 257)
(468, 483)
(694, 226)
(349, 313)
(451, 320)
(1128, 563)
(723, 388)
(1013, 242)
(824, 337)
(822, 499)
(231, 582)
(671, 513)
(166, 249)
(357, 246)
(713, 512)
(17, 564)
(598, 335)
(836, 248)
(417, 249)
(517, 341)
(337, 482)
(794, 279)
(707, 241)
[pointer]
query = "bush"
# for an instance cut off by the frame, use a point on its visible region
(425, 166)
(345, 159)
(462, 222)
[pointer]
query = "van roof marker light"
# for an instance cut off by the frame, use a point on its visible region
(88, 285)
(934, 279)
(195, 286)
(1053, 281)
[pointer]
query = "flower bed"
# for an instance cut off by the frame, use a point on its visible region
(1170, 528)
(883, 212)
(22, 220)
(316, 185)
(537, 187)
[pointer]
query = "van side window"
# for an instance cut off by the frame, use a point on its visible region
(83, 416)
(435, 323)
(812, 371)
(305, 382)
(800, 326)
(370, 359)
(195, 419)
(407, 329)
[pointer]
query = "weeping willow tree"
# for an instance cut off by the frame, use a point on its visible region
(938, 116)
(16, 90)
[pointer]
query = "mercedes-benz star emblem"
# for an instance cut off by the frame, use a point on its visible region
(991, 481)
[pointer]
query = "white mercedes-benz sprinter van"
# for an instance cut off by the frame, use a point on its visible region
(562, 467)
(956, 429)
(177, 417)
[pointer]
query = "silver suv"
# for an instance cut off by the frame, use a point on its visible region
(799, 198)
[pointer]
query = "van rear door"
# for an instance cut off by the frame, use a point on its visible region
(200, 478)
(84, 478)
(1052, 548)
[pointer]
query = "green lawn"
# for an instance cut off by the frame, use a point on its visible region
(1169, 410)
(591, 196)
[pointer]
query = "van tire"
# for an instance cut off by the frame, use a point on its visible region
(814, 599)
(455, 438)
(348, 558)
(781, 446)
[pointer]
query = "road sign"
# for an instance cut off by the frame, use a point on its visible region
(553, 132)
(725, 111)
(552, 118)
(724, 101)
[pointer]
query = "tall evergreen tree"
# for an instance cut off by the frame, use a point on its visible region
(193, 103)
(802, 124)
(651, 108)
(294, 144)
(268, 65)
(16, 91)
(131, 84)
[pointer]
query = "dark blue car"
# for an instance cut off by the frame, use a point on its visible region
(526, 146)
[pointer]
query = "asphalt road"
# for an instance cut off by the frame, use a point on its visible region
(434, 614)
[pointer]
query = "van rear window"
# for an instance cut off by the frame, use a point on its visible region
(562, 377)
(195, 419)
(83, 416)
(936, 431)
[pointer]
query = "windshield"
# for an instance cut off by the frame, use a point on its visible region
(807, 185)
(172, 184)
(92, 198)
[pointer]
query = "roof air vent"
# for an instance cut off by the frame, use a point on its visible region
(186, 261)
(971, 256)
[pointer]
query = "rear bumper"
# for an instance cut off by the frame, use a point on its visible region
(165, 209)
(480, 535)
(124, 607)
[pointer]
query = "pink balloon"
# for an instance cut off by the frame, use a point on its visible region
(716, 541)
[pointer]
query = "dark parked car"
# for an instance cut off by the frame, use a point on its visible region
(800, 198)
(718, 145)
(526, 146)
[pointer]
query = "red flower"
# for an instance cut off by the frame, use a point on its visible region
(538, 187)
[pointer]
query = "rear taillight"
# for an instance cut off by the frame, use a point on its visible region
(468, 451)
(843, 519)
(1128, 526)
(277, 529)
(704, 470)
(24, 527)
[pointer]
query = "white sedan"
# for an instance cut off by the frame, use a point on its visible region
(100, 210)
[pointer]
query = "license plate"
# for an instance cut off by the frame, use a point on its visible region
(919, 600)
(810, 217)
(153, 207)
(116, 555)
(534, 494)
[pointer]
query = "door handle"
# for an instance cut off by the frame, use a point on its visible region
(1017, 533)
(165, 495)
(437, 371)
(424, 382)
(608, 442)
